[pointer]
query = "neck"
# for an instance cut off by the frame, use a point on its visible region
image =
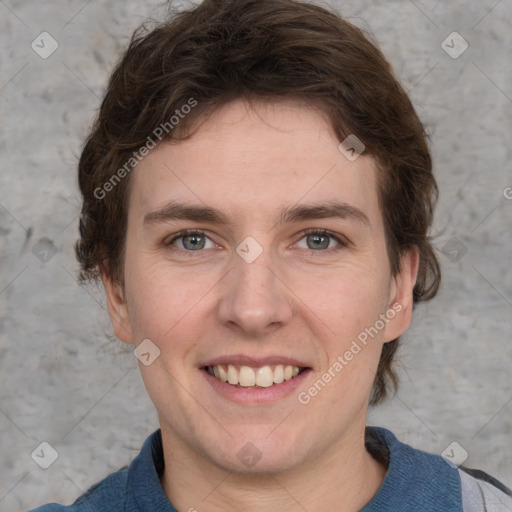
(344, 479)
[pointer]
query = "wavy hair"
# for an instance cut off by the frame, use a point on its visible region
(221, 50)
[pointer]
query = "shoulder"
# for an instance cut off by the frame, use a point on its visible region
(136, 487)
(419, 480)
(482, 492)
(103, 496)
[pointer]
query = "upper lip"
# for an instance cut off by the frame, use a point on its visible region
(255, 362)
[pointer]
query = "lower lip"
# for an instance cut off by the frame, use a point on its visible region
(255, 395)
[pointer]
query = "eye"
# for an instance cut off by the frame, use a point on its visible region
(190, 240)
(317, 239)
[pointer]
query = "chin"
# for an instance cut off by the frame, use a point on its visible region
(254, 451)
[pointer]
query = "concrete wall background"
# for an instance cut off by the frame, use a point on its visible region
(66, 381)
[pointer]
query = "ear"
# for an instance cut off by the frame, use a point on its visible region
(401, 295)
(117, 306)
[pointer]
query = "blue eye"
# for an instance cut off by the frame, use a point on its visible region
(191, 240)
(194, 241)
(318, 239)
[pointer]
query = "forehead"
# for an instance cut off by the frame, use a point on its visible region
(254, 160)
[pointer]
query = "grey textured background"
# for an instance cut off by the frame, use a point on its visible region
(64, 380)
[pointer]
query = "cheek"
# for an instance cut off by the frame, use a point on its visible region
(344, 309)
(166, 303)
(153, 300)
(348, 298)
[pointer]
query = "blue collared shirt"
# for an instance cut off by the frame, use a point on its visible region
(416, 481)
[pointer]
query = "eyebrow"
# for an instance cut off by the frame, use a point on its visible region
(181, 211)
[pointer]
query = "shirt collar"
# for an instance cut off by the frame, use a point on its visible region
(144, 490)
(415, 480)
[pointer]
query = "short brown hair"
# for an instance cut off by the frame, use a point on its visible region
(269, 49)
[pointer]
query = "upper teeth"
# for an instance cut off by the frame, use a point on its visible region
(247, 376)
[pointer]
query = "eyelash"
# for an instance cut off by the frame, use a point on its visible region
(311, 231)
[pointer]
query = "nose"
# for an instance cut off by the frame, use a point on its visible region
(253, 297)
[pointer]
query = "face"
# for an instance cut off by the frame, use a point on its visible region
(281, 268)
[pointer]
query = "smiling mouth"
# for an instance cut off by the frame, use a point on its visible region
(246, 376)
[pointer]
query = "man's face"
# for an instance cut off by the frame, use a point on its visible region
(256, 293)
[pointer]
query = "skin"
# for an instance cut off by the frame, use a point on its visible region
(249, 161)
